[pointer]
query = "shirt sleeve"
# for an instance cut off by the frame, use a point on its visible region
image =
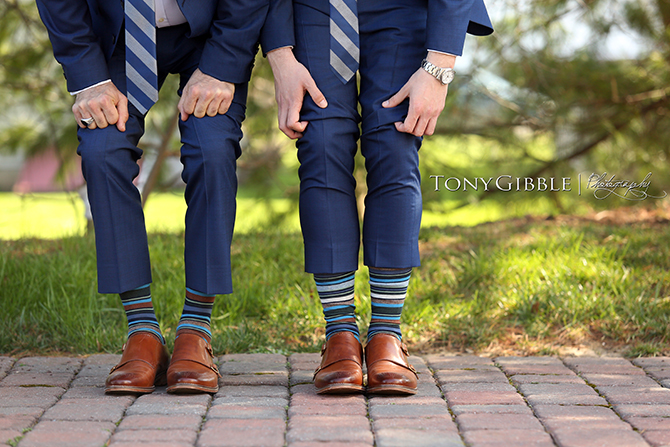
(89, 87)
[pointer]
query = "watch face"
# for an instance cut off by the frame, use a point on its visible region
(447, 76)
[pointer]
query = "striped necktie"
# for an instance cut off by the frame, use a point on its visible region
(141, 66)
(344, 44)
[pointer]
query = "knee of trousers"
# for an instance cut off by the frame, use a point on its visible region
(391, 158)
(211, 146)
(210, 165)
(108, 153)
(326, 153)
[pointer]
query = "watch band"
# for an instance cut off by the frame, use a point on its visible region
(444, 75)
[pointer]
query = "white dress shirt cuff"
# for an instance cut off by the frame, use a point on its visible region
(89, 87)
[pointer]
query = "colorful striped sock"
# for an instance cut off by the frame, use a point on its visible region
(140, 311)
(336, 292)
(197, 313)
(388, 289)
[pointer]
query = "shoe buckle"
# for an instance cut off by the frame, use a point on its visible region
(115, 367)
(214, 368)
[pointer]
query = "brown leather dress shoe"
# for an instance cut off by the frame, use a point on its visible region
(389, 372)
(143, 366)
(192, 369)
(341, 370)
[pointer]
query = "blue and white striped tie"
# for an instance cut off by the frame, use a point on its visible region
(344, 44)
(141, 66)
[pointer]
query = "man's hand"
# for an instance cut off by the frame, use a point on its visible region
(292, 82)
(205, 95)
(105, 103)
(426, 98)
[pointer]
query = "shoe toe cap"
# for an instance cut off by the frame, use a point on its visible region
(192, 376)
(135, 377)
(338, 376)
(393, 378)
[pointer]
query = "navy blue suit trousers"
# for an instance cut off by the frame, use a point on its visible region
(392, 40)
(210, 147)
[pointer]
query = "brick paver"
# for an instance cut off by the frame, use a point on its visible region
(269, 400)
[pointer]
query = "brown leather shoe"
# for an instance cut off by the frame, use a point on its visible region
(341, 368)
(143, 365)
(192, 369)
(389, 372)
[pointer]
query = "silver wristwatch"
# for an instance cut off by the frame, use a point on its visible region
(444, 75)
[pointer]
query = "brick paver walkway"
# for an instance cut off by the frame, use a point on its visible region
(268, 400)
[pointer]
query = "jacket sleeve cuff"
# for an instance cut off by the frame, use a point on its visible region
(86, 71)
(230, 51)
(225, 65)
(450, 20)
(278, 30)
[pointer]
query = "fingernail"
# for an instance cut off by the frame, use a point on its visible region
(385, 104)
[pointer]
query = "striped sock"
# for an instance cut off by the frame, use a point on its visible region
(336, 292)
(140, 311)
(388, 289)
(197, 313)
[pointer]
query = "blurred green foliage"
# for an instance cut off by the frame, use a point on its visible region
(566, 87)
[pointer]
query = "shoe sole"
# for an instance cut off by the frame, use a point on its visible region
(129, 390)
(392, 389)
(341, 388)
(189, 388)
(160, 380)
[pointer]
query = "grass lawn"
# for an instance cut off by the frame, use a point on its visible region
(526, 285)
(57, 215)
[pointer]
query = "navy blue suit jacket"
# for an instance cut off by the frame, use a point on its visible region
(448, 21)
(83, 34)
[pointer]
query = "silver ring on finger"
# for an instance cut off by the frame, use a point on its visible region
(87, 121)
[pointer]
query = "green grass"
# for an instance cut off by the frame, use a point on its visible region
(57, 215)
(523, 286)
(537, 286)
